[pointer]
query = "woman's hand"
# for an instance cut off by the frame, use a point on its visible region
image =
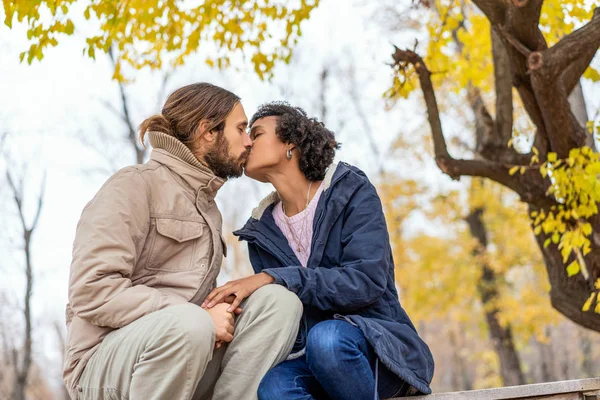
(240, 288)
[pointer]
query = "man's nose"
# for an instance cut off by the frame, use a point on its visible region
(247, 141)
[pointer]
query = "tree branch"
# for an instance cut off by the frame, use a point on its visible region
(126, 116)
(520, 47)
(433, 115)
(580, 45)
(40, 204)
(17, 193)
(577, 67)
(484, 123)
(360, 112)
(523, 23)
(562, 128)
(527, 186)
(503, 83)
(494, 10)
(22, 371)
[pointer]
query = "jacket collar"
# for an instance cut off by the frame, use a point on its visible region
(169, 151)
(273, 197)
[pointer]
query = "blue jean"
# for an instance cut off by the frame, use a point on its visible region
(339, 364)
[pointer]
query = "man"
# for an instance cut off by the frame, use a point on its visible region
(147, 251)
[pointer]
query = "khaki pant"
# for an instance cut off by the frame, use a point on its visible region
(170, 353)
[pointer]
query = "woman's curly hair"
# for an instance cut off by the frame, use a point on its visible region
(316, 143)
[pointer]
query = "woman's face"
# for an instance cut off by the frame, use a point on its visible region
(268, 151)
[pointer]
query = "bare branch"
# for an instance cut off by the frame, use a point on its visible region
(22, 371)
(113, 110)
(40, 204)
(484, 123)
(126, 117)
(162, 90)
(17, 193)
(323, 93)
(360, 112)
(3, 137)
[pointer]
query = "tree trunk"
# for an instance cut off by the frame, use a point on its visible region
(460, 374)
(22, 367)
(568, 294)
(501, 337)
(547, 371)
(588, 366)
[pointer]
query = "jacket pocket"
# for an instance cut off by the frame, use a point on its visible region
(176, 244)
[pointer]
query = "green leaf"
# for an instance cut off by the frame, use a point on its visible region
(552, 157)
(513, 170)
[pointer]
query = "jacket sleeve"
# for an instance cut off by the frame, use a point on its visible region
(110, 234)
(361, 277)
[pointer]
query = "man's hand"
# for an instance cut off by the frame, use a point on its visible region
(240, 288)
(223, 322)
(238, 311)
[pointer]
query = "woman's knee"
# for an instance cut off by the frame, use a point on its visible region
(330, 341)
(271, 387)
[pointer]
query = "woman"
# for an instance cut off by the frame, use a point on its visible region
(323, 236)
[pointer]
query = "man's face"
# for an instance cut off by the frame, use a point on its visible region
(228, 154)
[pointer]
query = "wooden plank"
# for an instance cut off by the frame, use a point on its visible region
(549, 390)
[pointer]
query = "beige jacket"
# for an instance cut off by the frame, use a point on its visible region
(150, 238)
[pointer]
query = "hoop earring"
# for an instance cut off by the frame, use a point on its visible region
(288, 154)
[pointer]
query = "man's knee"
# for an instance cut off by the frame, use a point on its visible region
(192, 322)
(282, 303)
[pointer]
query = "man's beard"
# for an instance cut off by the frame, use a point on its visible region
(219, 161)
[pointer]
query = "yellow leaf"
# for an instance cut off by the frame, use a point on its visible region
(592, 74)
(573, 268)
(588, 302)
